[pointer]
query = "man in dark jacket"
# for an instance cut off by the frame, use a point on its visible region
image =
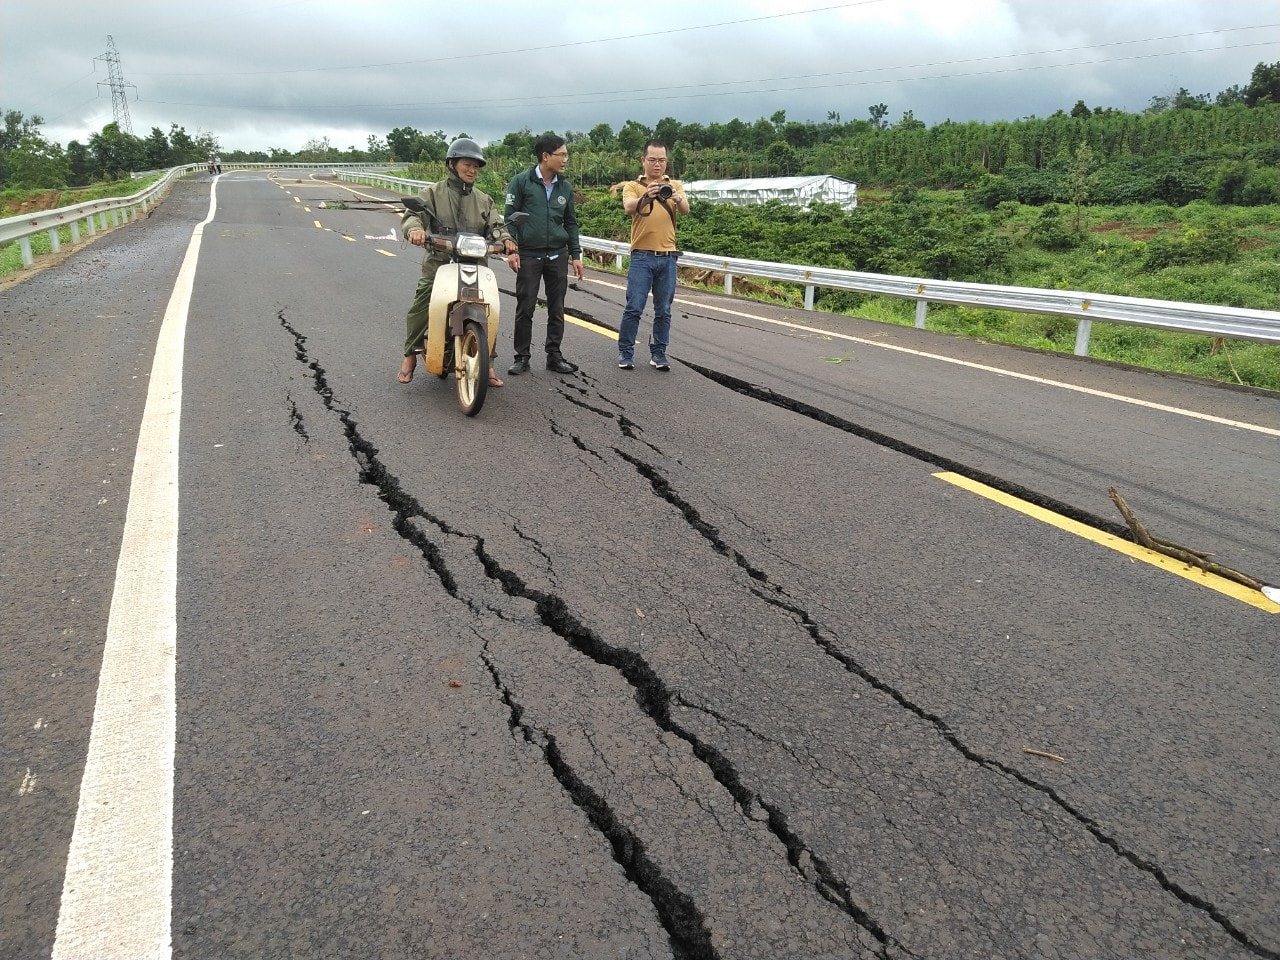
(549, 246)
(453, 205)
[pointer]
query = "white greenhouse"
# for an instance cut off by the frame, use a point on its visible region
(793, 191)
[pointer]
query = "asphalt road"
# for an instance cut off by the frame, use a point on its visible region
(719, 663)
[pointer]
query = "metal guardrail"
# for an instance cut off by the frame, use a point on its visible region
(112, 211)
(93, 214)
(1235, 322)
(376, 179)
(1084, 308)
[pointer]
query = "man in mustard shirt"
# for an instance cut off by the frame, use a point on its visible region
(654, 202)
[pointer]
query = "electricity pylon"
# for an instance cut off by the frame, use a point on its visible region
(119, 99)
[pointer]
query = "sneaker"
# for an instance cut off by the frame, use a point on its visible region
(625, 364)
(660, 364)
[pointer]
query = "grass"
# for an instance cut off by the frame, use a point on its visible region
(12, 203)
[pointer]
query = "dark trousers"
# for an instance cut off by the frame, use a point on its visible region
(534, 272)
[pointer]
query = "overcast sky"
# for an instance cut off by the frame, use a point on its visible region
(278, 73)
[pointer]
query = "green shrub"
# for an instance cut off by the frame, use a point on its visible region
(1051, 232)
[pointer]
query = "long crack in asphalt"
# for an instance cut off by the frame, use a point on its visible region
(688, 930)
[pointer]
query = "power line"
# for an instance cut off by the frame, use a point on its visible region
(539, 49)
(615, 96)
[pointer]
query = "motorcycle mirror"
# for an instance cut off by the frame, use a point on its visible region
(414, 203)
(517, 218)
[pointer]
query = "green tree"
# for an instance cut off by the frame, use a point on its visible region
(413, 146)
(1264, 85)
(668, 131)
(909, 122)
(80, 164)
(519, 144)
(37, 164)
(183, 149)
(156, 149)
(1080, 180)
(632, 138)
(317, 150)
(16, 126)
(206, 143)
(782, 158)
(400, 142)
(115, 153)
(601, 137)
(762, 133)
(878, 113)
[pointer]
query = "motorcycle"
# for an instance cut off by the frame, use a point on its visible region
(462, 318)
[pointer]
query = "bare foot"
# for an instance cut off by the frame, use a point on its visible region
(494, 381)
(406, 369)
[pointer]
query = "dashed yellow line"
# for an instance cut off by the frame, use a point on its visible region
(385, 253)
(1237, 591)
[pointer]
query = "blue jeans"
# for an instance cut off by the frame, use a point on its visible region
(648, 271)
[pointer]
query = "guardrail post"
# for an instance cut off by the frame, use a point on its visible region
(617, 261)
(1083, 327)
(808, 297)
(728, 283)
(75, 231)
(25, 244)
(922, 310)
(55, 241)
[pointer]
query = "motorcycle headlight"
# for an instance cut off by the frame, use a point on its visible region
(471, 246)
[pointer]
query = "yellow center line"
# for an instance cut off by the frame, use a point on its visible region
(1237, 591)
(588, 325)
(386, 253)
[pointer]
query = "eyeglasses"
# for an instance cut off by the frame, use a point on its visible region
(655, 159)
(561, 153)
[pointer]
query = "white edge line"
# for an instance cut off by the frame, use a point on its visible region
(1179, 411)
(118, 888)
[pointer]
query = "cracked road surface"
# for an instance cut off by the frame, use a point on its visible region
(707, 664)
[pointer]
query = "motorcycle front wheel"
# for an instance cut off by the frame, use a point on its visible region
(471, 352)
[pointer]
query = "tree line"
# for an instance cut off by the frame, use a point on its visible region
(1181, 147)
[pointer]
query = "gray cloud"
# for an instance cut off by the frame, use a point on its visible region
(277, 74)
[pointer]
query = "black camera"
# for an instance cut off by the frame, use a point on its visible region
(665, 191)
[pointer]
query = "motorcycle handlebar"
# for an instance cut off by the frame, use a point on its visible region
(445, 244)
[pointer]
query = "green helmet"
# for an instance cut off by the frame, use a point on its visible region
(465, 147)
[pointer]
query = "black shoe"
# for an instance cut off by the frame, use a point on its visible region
(520, 366)
(560, 365)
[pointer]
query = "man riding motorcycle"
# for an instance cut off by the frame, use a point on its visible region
(453, 205)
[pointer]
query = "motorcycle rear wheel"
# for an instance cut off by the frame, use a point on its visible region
(471, 352)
